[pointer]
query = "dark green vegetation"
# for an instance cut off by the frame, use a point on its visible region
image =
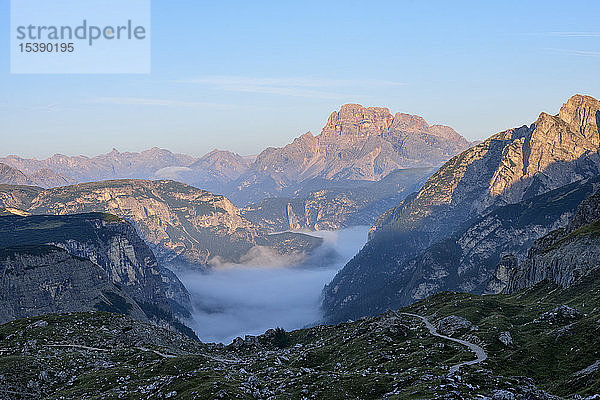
(42, 229)
(552, 344)
(281, 338)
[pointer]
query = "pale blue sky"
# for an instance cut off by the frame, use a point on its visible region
(247, 75)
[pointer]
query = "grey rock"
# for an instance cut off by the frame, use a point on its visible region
(450, 325)
(505, 338)
(47, 279)
(110, 243)
(38, 324)
(589, 370)
(561, 312)
(565, 255)
(503, 395)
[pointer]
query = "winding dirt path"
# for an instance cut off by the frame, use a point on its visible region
(478, 350)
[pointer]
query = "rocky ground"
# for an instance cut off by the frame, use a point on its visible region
(541, 343)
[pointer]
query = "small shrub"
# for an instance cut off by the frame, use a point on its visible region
(282, 338)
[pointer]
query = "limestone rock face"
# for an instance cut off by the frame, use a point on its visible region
(111, 244)
(38, 280)
(501, 278)
(410, 246)
(183, 225)
(508, 167)
(322, 204)
(563, 256)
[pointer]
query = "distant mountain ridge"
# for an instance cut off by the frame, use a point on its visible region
(105, 166)
(43, 177)
(356, 143)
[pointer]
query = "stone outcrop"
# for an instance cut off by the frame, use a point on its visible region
(112, 245)
(39, 280)
(563, 256)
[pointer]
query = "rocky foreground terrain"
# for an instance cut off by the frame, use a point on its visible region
(184, 226)
(409, 246)
(540, 343)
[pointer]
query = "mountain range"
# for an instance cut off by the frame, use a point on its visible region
(406, 257)
(356, 144)
(43, 177)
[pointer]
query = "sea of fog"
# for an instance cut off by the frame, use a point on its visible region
(248, 299)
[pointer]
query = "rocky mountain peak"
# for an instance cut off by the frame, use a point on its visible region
(582, 114)
(410, 123)
(354, 120)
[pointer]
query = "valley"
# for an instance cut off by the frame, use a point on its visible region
(250, 298)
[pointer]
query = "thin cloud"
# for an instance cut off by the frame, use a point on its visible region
(309, 82)
(141, 101)
(574, 34)
(294, 87)
(583, 53)
(52, 107)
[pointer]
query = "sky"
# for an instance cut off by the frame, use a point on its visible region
(243, 76)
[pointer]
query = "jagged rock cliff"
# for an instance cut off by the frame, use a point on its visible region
(182, 224)
(39, 280)
(509, 167)
(112, 245)
(329, 205)
(563, 256)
